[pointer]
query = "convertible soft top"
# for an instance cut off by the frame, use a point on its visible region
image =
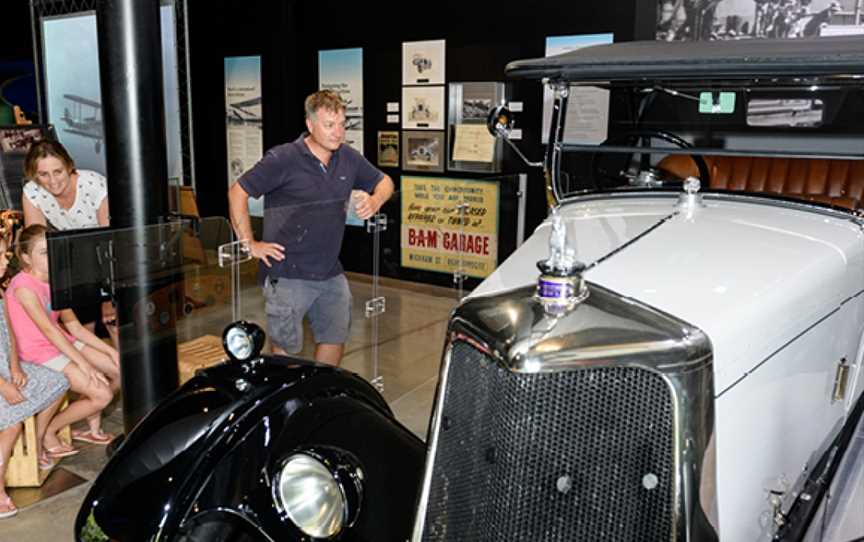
(704, 60)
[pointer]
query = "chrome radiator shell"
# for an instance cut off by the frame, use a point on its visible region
(505, 359)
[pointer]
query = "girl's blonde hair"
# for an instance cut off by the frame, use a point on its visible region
(28, 238)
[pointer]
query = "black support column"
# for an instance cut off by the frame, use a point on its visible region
(130, 62)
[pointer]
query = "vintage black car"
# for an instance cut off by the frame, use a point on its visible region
(689, 369)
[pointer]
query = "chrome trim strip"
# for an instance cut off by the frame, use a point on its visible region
(788, 343)
(517, 331)
(435, 428)
(630, 193)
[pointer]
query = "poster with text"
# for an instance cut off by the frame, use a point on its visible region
(587, 120)
(341, 70)
(243, 119)
(74, 98)
(437, 236)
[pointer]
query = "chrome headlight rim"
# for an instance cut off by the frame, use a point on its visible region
(347, 474)
(249, 332)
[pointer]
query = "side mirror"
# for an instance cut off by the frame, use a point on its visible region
(500, 121)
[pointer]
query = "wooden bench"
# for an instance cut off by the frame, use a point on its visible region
(23, 469)
(198, 354)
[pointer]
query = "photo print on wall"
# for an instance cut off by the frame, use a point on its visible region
(696, 20)
(423, 108)
(423, 150)
(423, 62)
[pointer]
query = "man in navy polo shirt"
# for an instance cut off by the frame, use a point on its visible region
(307, 186)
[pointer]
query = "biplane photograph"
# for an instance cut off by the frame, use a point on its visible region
(83, 119)
(243, 112)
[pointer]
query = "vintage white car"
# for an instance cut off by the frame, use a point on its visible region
(685, 364)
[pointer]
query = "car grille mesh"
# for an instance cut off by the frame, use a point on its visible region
(567, 456)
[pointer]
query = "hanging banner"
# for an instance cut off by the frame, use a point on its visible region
(341, 70)
(450, 225)
(243, 118)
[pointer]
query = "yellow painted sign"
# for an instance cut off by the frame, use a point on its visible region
(450, 225)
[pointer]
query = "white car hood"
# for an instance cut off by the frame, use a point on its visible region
(753, 276)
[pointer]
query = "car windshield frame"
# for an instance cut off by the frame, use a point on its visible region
(683, 70)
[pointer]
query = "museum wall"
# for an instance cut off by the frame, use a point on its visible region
(482, 37)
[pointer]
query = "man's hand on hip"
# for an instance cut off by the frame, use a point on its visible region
(365, 205)
(263, 251)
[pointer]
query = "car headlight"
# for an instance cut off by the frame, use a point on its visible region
(319, 491)
(243, 340)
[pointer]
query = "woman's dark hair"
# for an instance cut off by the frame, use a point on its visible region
(45, 149)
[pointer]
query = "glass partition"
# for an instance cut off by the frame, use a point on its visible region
(407, 268)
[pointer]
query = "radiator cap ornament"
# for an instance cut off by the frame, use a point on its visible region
(560, 286)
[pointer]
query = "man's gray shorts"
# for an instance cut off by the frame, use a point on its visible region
(327, 302)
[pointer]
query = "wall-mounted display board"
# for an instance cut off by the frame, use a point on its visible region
(436, 236)
(423, 108)
(472, 147)
(244, 119)
(423, 150)
(341, 70)
(423, 62)
(15, 141)
(73, 95)
(588, 108)
(388, 149)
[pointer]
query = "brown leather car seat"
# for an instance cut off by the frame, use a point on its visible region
(834, 181)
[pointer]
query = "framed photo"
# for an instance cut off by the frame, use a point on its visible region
(423, 62)
(423, 108)
(388, 149)
(18, 139)
(423, 151)
(472, 147)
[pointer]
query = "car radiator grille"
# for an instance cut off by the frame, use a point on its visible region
(571, 456)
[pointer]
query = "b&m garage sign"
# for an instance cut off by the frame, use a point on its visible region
(450, 225)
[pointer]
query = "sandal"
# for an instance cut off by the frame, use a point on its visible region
(101, 437)
(61, 451)
(7, 508)
(46, 463)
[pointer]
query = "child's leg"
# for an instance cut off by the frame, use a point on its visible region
(103, 363)
(95, 397)
(7, 442)
(42, 419)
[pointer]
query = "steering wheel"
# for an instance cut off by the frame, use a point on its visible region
(613, 166)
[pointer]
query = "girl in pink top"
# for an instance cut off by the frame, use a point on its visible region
(75, 351)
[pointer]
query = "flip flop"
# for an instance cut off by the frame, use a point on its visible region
(46, 463)
(101, 438)
(10, 511)
(58, 452)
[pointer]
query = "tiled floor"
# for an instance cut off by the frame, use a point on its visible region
(409, 337)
